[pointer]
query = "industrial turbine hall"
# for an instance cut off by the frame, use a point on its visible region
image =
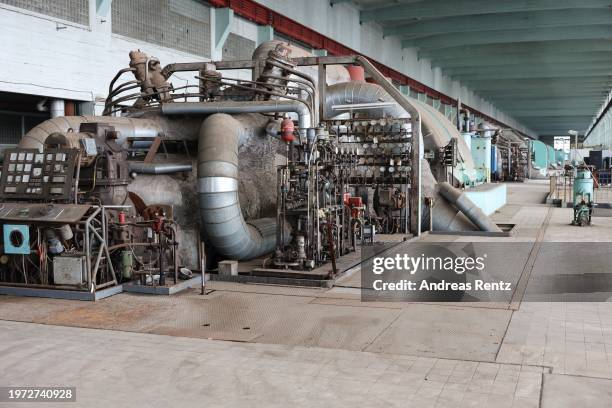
(322, 203)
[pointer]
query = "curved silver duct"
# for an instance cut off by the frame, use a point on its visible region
(127, 127)
(221, 217)
(358, 92)
(445, 216)
(467, 207)
(234, 107)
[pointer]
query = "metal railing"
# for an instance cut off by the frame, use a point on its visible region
(561, 187)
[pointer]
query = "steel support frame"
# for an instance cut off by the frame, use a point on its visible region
(94, 229)
(221, 27)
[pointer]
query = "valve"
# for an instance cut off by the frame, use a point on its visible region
(287, 129)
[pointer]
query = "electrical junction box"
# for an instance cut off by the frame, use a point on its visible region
(69, 270)
(16, 239)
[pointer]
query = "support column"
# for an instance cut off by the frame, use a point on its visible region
(437, 104)
(322, 79)
(100, 15)
(222, 19)
(416, 194)
(265, 33)
(458, 113)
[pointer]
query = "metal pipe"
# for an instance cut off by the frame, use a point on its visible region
(57, 108)
(463, 203)
(222, 222)
(234, 107)
(158, 168)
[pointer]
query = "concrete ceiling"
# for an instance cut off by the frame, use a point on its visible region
(546, 62)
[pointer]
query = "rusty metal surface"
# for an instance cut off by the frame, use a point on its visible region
(236, 316)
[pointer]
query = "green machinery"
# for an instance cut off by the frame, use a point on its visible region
(583, 196)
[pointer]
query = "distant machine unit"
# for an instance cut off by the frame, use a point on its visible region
(600, 159)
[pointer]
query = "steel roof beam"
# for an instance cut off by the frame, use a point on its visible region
(567, 112)
(603, 74)
(511, 84)
(495, 60)
(538, 91)
(518, 88)
(531, 68)
(504, 21)
(449, 8)
(550, 47)
(498, 98)
(537, 101)
(577, 32)
(557, 122)
(551, 103)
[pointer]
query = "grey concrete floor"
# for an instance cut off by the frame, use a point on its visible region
(256, 345)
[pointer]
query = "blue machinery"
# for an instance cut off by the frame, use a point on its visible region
(583, 196)
(544, 157)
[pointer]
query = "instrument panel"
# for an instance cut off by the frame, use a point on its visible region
(30, 174)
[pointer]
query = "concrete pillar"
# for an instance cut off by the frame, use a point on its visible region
(264, 33)
(56, 108)
(221, 25)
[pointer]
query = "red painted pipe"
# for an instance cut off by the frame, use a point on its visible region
(356, 73)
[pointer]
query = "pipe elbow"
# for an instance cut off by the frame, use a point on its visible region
(222, 222)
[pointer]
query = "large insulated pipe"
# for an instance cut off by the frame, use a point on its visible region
(222, 221)
(127, 127)
(158, 168)
(235, 107)
(463, 203)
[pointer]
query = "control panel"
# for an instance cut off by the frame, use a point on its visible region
(30, 174)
